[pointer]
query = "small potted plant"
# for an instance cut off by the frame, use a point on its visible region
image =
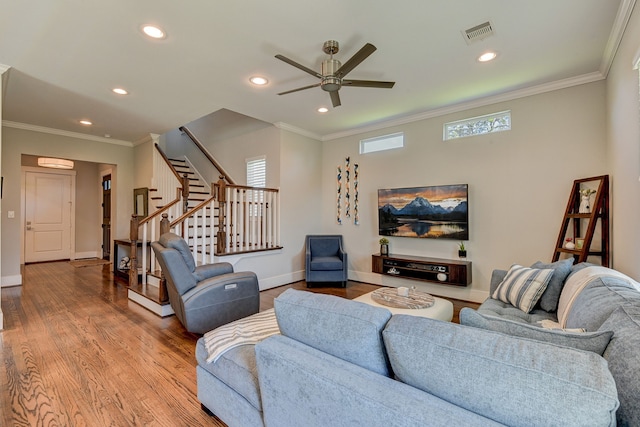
(462, 250)
(384, 246)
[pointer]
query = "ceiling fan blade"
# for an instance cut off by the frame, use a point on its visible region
(299, 66)
(335, 99)
(300, 88)
(368, 83)
(356, 59)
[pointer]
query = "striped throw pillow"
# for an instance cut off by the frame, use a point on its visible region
(522, 287)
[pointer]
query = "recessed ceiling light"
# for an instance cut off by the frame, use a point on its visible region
(120, 91)
(485, 57)
(257, 80)
(153, 31)
(323, 110)
(85, 122)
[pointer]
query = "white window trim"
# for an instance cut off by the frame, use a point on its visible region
(252, 161)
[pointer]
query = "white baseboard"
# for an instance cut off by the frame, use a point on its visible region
(160, 310)
(6, 281)
(284, 279)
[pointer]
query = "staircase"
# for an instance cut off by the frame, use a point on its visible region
(216, 220)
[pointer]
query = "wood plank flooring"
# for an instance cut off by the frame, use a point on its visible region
(76, 352)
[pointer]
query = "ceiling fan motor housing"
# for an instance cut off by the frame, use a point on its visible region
(330, 82)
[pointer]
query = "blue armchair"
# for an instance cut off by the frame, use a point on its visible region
(325, 259)
(205, 296)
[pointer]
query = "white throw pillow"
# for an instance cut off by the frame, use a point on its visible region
(522, 287)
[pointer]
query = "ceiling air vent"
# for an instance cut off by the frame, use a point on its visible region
(477, 33)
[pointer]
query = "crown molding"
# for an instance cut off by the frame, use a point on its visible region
(59, 132)
(489, 100)
(152, 137)
(615, 37)
(299, 131)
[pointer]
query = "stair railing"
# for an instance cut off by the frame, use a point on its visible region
(249, 218)
(206, 153)
(144, 231)
(165, 177)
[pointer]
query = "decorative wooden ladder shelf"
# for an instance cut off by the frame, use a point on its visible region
(572, 216)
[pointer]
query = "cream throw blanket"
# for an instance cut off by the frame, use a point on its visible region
(250, 330)
(578, 281)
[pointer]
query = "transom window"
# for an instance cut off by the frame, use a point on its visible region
(381, 143)
(489, 123)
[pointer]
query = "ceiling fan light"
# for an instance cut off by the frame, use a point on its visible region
(50, 162)
(330, 84)
(323, 110)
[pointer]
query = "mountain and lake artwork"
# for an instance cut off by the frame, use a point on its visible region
(436, 212)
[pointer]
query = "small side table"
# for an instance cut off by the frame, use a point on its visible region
(121, 249)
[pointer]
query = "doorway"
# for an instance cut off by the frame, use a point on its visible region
(49, 226)
(106, 217)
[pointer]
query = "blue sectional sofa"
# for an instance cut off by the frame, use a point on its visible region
(343, 363)
(603, 317)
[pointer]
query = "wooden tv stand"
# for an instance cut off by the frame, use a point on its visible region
(437, 270)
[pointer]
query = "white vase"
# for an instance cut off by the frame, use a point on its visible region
(585, 204)
(570, 246)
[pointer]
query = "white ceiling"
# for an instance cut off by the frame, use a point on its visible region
(67, 55)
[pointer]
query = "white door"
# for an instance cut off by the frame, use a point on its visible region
(48, 216)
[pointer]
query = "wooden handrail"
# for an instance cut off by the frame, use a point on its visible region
(164, 208)
(204, 151)
(244, 187)
(166, 159)
(190, 212)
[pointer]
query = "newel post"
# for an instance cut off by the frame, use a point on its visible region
(133, 238)
(162, 287)
(185, 193)
(164, 224)
(221, 196)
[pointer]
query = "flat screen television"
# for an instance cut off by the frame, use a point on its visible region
(435, 212)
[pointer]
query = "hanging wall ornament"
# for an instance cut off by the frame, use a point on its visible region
(347, 193)
(339, 197)
(356, 217)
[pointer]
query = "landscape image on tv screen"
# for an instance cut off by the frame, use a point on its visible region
(436, 212)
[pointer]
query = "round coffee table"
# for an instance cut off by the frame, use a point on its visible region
(441, 309)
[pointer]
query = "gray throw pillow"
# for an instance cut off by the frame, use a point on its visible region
(551, 296)
(590, 341)
(623, 355)
(522, 287)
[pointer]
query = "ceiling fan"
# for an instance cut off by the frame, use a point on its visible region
(333, 72)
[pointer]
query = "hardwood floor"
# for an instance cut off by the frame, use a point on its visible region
(76, 352)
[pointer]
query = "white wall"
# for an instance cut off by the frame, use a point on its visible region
(623, 137)
(519, 183)
(293, 165)
(143, 159)
(21, 141)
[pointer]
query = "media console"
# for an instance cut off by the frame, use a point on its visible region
(438, 270)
